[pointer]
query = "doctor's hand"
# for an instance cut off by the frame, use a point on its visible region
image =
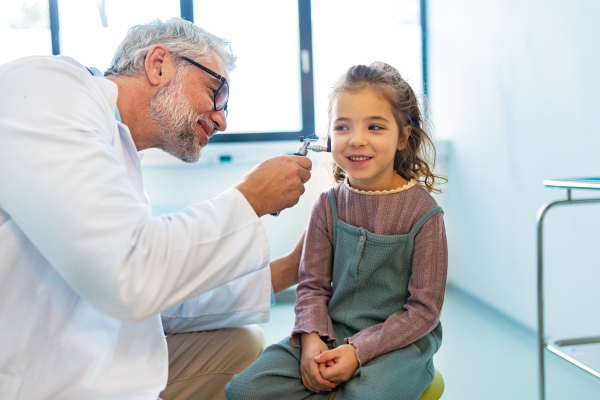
(312, 346)
(275, 184)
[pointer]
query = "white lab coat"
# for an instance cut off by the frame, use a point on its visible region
(85, 269)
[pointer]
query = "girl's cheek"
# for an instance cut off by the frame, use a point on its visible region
(337, 147)
(336, 157)
(336, 150)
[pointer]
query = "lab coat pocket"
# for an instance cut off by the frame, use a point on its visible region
(9, 386)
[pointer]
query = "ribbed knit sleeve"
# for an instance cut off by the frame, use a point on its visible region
(421, 313)
(314, 290)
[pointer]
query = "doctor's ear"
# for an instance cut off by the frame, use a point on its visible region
(158, 65)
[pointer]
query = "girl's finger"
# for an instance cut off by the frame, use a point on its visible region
(318, 379)
(334, 372)
(307, 380)
(322, 368)
(321, 383)
(327, 356)
(327, 374)
(310, 385)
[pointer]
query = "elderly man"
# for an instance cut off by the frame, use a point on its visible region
(85, 270)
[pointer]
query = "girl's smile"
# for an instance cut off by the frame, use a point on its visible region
(364, 139)
(358, 160)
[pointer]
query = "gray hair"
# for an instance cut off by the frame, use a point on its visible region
(181, 37)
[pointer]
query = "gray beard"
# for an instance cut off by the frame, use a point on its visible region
(176, 120)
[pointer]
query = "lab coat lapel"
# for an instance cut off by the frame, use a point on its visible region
(125, 149)
(126, 152)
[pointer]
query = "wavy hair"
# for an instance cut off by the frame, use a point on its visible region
(417, 159)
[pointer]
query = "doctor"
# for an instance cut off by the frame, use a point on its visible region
(85, 270)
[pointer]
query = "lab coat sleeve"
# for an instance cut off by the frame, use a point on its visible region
(62, 184)
(243, 301)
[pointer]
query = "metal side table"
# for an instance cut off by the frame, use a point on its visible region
(582, 352)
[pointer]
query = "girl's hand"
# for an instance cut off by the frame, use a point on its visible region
(338, 365)
(312, 346)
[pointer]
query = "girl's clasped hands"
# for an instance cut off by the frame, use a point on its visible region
(323, 369)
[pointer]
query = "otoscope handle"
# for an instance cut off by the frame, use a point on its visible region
(276, 214)
(304, 150)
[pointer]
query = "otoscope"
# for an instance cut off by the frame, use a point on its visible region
(303, 151)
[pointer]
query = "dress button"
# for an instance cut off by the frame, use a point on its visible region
(361, 238)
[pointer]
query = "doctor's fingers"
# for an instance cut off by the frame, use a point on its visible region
(304, 162)
(304, 175)
(303, 167)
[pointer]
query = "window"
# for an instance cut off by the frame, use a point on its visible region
(271, 88)
(24, 29)
(91, 30)
(266, 81)
(350, 32)
(273, 96)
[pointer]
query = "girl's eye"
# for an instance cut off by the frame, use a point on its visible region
(375, 127)
(340, 128)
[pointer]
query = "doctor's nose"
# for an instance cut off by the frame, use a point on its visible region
(219, 119)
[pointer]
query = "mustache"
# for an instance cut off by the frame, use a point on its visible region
(209, 123)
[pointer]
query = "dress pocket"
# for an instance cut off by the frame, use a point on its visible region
(9, 386)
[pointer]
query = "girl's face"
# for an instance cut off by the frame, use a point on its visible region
(364, 139)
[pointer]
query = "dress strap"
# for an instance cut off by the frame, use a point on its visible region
(334, 213)
(424, 219)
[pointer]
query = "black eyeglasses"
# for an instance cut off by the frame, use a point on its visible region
(221, 95)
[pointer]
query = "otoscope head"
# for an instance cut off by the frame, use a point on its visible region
(307, 146)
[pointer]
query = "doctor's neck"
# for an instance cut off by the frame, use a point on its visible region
(133, 103)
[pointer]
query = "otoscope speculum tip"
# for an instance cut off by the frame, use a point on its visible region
(307, 146)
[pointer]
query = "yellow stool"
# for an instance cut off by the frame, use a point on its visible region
(435, 389)
(433, 392)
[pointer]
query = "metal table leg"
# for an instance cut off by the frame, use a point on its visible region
(540, 287)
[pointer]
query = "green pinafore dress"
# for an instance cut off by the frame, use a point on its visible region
(370, 283)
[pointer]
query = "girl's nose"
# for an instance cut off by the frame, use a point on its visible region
(358, 139)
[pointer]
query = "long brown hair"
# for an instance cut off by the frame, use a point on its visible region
(417, 159)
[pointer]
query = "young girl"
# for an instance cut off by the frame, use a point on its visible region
(373, 269)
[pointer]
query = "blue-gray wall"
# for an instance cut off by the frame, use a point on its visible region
(514, 86)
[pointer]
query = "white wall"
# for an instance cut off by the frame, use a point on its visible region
(515, 86)
(173, 185)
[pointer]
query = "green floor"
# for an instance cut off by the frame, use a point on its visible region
(484, 355)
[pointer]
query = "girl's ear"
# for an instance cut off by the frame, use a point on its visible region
(403, 137)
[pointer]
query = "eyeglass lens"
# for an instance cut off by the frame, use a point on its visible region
(222, 97)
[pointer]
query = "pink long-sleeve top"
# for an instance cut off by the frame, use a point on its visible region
(383, 213)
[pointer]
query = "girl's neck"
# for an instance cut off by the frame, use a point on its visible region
(392, 182)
